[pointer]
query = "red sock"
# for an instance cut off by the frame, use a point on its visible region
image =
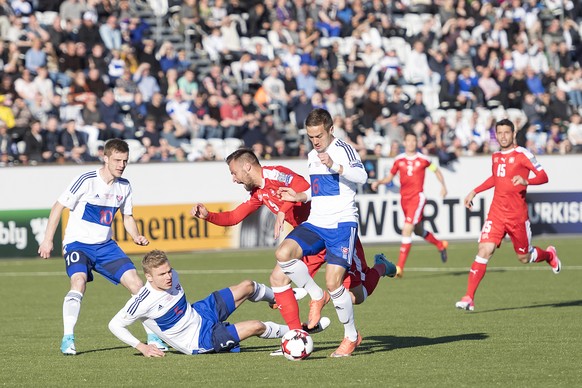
(542, 255)
(372, 278)
(432, 239)
(404, 250)
(475, 276)
(288, 308)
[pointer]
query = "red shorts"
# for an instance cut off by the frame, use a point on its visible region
(495, 229)
(412, 208)
(354, 276)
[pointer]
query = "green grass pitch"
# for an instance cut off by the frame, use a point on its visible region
(525, 330)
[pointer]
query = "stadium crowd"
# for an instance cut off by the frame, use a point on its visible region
(75, 73)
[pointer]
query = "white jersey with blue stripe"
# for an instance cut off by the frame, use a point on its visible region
(93, 204)
(166, 313)
(333, 195)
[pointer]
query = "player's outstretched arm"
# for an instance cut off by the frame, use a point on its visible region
(131, 228)
(46, 246)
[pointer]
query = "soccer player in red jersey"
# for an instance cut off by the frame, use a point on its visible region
(411, 166)
(263, 184)
(511, 170)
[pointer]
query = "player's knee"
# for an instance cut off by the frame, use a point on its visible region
(247, 286)
(283, 253)
(278, 279)
(524, 259)
(78, 282)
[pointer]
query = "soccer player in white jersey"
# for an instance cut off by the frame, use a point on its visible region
(335, 170)
(190, 328)
(93, 199)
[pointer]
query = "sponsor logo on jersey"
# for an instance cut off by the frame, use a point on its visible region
(119, 198)
(160, 307)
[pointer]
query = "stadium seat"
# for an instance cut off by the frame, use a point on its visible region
(232, 144)
(198, 144)
(136, 149)
(218, 145)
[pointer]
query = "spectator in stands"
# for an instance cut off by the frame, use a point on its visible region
(559, 109)
(110, 33)
(417, 70)
(179, 111)
(92, 121)
(187, 84)
(169, 84)
(89, 32)
(35, 56)
(8, 151)
(148, 55)
(574, 132)
(489, 87)
(111, 116)
(232, 118)
(150, 137)
(146, 83)
(462, 57)
(52, 149)
(40, 108)
(33, 149)
(156, 107)
(557, 140)
(276, 93)
(79, 91)
(74, 143)
(22, 118)
(25, 86)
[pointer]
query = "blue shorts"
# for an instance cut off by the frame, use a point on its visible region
(107, 259)
(216, 334)
(339, 243)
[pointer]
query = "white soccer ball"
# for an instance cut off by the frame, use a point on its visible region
(296, 345)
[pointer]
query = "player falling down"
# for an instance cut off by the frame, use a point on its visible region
(94, 198)
(511, 169)
(263, 184)
(195, 328)
(411, 167)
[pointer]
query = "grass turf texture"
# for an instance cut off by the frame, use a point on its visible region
(524, 332)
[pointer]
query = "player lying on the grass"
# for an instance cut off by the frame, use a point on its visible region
(192, 329)
(511, 169)
(263, 184)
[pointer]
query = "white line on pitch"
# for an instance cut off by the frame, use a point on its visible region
(253, 271)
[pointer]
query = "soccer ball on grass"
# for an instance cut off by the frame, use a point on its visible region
(296, 345)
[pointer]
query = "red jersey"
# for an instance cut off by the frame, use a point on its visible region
(509, 199)
(412, 170)
(273, 178)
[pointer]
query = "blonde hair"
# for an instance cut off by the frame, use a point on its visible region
(153, 259)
